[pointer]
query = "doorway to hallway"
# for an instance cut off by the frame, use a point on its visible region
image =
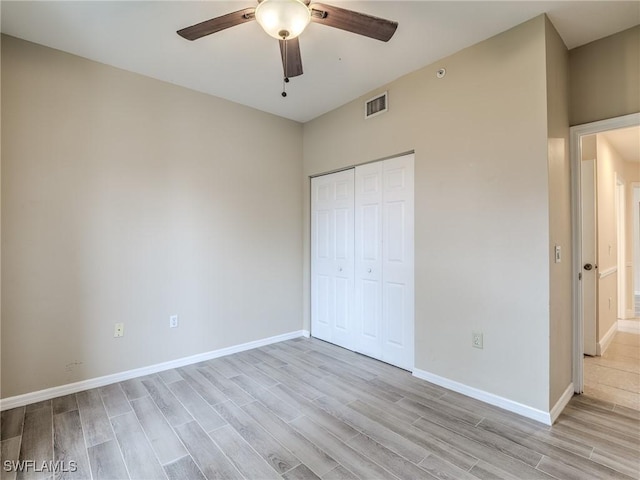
(606, 170)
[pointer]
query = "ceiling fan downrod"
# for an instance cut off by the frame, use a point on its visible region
(284, 34)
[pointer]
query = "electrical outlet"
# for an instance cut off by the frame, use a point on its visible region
(119, 330)
(173, 321)
(476, 339)
(558, 253)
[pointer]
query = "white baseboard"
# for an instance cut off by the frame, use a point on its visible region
(305, 333)
(490, 398)
(46, 394)
(629, 326)
(561, 403)
(603, 344)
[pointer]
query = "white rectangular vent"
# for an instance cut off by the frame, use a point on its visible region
(376, 106)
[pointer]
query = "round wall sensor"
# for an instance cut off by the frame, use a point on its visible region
(441, 73)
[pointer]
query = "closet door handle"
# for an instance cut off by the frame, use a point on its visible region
(368, 270)
(339, 269)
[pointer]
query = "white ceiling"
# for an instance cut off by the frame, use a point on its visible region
(242, 64)
(626, 141)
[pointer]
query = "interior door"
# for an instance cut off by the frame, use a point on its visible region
(589, 283)
(398, 262)
(332, 261)
(368, 265)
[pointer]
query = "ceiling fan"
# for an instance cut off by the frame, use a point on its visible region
(286, 19)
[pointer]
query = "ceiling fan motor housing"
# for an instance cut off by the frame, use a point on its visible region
(283, 16)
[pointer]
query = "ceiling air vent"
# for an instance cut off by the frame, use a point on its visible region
(376, 105)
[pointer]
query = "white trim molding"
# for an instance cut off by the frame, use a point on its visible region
(604, 342)
(607, 272)
(561, 403)
(46, 394)
(629, 326)
(490, 398)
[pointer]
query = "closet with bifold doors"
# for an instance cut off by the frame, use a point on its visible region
(362, 259)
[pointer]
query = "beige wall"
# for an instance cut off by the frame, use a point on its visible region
(481, 206)
(608, 164)
(629, 173)
(126, 199)
(604, 77)
(560, 274)
(633, 224)
(1, 37)
(631, 176)
(588, 148)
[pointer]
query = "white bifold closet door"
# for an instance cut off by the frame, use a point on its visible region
(384, 278)
(332, 258)
(380, 312)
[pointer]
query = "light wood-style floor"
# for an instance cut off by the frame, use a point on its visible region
(307, 409)
(615, 376)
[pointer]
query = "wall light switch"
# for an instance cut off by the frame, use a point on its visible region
(558, 254)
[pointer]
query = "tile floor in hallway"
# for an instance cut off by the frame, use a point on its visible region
(615, 376)
(305, 409)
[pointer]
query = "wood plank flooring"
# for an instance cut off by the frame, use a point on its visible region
(305, 409)
(615, 376)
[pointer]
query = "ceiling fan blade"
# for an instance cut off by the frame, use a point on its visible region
(214, 25)
(291, 58)
(356, 22)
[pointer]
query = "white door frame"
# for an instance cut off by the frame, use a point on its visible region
(635, 265)
(621, 240)
(575, 134)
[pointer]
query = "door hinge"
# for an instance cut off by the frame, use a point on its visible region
(580, 276)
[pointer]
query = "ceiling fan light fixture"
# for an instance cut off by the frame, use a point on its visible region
(283, 18)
